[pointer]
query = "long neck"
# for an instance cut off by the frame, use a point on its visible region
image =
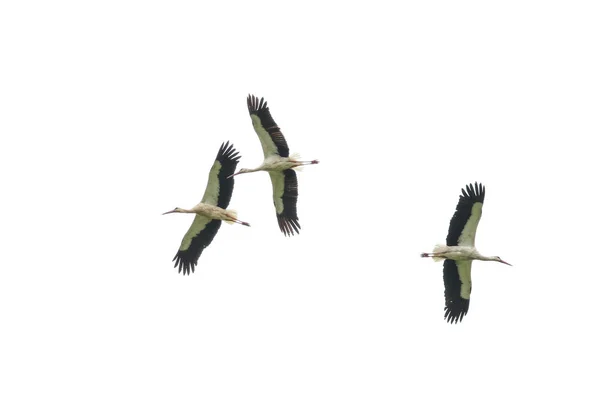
(478, 256)
(486, 258)
(481, 257)
(249, 170)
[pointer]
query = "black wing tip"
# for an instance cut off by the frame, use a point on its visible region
(187, 259)
(184, 265)
(475, 193)
(288, 225)
(455, 312)
(255, 105)
(227, 152)
(456, 307)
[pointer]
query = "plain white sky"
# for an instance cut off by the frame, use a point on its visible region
(112, 113)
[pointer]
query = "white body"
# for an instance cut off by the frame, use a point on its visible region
(214, 212)
(276, 163)
(458, 253)
(204, 214)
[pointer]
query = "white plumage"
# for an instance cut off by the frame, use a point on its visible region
(278, 163)
(459, 252)
(210, 211)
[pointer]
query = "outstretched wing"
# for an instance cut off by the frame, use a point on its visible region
(197, 238)
(285, 197)
(271, 138)
(219, 188)
(457, 289)
(463, 225)
(218, 193)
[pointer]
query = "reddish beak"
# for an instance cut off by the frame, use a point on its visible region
(504, 262)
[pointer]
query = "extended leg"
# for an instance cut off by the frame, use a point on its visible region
(308, 162)
(439, 254)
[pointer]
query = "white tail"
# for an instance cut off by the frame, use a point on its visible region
(296, 157)
(438, 248)
(232, 213)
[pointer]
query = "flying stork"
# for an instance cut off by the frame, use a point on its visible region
(278, 163)
(460, 251)
(210, 211)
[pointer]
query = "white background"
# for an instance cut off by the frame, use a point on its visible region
(112, 112)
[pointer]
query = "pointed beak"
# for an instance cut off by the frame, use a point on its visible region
(504, 262)
(232, 175)
(168, 212)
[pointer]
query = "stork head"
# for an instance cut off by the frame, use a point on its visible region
(175, 210)
(496, 258)
(241, 171)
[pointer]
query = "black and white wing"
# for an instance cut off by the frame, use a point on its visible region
(218, 193)
(219, 188)
(463, 225)
(457, 289)
(197, 238)
(457, 274)
(271, 138)
(285, 197)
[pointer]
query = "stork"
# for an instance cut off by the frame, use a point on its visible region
(278, 163)
(210, 211)
(460, 251)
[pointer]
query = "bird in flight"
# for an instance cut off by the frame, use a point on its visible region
(278, 163)
(210, 211)
(460, 251)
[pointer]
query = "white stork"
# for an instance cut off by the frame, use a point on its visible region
(278, 163)
(210, 211)
(460, 251)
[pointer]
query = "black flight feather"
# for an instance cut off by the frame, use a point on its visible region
(456, 307)
(188, 259)
(288, 219)
(260, 109)
(229, 158)
(463, 211)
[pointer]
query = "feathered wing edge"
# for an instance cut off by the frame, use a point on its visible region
(187, 259)
(472, 195)
(288, 219)
(261, 110)
(456, 306)
(228, 157)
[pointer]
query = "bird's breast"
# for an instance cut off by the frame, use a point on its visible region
(278, 164)
(460, 253)
(206, 209)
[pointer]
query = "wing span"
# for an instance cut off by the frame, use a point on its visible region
(218, 193)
